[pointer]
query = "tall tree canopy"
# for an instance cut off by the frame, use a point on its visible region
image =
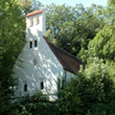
(92, 92)
(102, 46)
(73, 27)
(12, 39)
(111, 11)
(30, 5)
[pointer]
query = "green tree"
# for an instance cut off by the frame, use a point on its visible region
(12, 40)
(69, 101)
(110, 11)
(37, 104)
(30, 5)
(73, 27)
(91, 90)
(102, 46)
(26, 5)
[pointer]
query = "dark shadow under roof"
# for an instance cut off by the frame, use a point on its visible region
(68, 61)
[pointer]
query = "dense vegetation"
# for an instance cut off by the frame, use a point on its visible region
(85, 32)
(71, 28)
(92, 92)
(12, 40)
(37, 104)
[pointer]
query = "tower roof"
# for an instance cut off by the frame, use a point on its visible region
(34, 13)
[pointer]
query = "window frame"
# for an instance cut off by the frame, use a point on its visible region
(31, 44)
(35, 43)
(25, 87)
(37, 20)
(35, 61)
(41, 85)
(31, 22)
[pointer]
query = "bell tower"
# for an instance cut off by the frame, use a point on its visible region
(35, 23)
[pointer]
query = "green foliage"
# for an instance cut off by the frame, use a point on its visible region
(102, 46)
(69, 101)
(12, 40)
(98, 84)
(34, 105)
(111, 11)
(26, 5)
(104, 109)
(30, 5)
(92, 90)
(71, 28)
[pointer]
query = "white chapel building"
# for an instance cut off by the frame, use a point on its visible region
(42, 63)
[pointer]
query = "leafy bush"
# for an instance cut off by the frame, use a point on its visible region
(91, 93)
(12, 40)
(34, 105)
(104, 108)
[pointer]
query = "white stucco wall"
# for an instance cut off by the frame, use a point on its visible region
(40, 26)
(70, 75)
(47, 68)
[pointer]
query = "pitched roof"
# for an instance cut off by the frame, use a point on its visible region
(68, 61)
(34, 13)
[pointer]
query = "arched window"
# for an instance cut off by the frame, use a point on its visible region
(31, 22)
(37, 20)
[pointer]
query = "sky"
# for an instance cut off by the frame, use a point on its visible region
(86, 3)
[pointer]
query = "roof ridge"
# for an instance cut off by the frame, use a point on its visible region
(34, 13)
(68, 61)
(63, 50)
(66, 52)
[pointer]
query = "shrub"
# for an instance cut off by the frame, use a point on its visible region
(34, 105)
(93, 92)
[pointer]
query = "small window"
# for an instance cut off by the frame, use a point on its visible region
(42, 85)
(25, 87)
(37, 20)
(35, 43)
(30, 44)
(31, 22)
(35, 61)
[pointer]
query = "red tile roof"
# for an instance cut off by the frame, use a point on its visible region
(34, 13)
(68, 61)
